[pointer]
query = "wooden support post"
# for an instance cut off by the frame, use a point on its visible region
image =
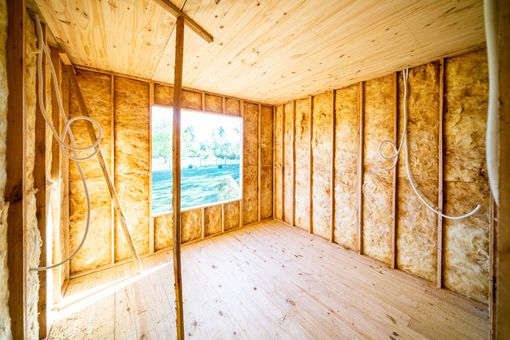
(16, 172)
(360, 165)
(151, 219)
(65, 214)
(241, 202)
(176, 170)
(41, 196)
(394, 198)
(440, 188)
(112, 165)
(310, 163)
(293, 221)
(283, 162)
(332, 183)
(259, 161)
(102, 163)
(492, 281)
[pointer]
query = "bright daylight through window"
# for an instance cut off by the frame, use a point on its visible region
(210, 158)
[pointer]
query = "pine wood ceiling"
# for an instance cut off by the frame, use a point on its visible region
(266, 50)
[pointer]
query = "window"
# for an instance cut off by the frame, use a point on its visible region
(210, 159)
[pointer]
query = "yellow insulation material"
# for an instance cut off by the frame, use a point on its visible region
(278, 161)
(377, 183)
(191, 100)
(163, 228)
(266, 158)
(250, 161)
(302, 193)
(346, 153)
(163, 95)
(191, 225)
(213, 103)
(288, 186)
(212, 220)
(96, 90)
(232, 106)
(322, 151)
(231, 215)
(132, 162)
(416, 225)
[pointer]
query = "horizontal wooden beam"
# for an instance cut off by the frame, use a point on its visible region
(176, 12)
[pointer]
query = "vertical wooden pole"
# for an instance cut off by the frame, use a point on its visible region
(176, 171)
(151, 219)
(40, 180)
(293, 221)
(310, 163)
(16, 173)
(440, 188)
(492, 223)
(361, 118)
(241, 202)
(259, 161)
(283, 163)
(65, 177)
(394, 198)
(112, 165)
(332, 183)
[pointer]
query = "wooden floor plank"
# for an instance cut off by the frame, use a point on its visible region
(269, 281)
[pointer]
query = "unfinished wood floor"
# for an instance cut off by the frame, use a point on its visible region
(267, 281)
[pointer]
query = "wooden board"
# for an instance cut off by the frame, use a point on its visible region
(417, 231)
(250, 162)
(346, 131)
(302, 190)
(377, 182)
(321, 171)
(132, 162)
(96, 90)
(466, 242)
(268, 51)
(266, 159)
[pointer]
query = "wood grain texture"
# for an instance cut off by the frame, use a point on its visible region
(417, 231)
(132, 161)
(247, 265)
(377, 182)
(321, 149)
(346, 131)
(277, 56)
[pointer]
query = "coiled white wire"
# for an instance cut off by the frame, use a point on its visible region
(68, 150)
(395, 153)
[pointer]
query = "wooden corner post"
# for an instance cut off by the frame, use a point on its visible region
(176, 171)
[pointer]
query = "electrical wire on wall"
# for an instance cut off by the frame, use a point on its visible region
(395, 153)
(69, 150)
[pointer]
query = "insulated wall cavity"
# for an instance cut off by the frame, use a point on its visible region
(288, 162)
(266, 162)
(278, 162)
(302, 189)
(250, 163)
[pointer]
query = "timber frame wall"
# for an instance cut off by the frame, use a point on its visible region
(122, 105)
(330, 181)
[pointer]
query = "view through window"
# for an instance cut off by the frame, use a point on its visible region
(210, 158)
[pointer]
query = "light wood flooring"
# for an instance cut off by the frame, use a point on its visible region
(267, 281)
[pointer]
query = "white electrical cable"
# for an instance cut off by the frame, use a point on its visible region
(66, 148)
(404, 145)
(492, 134)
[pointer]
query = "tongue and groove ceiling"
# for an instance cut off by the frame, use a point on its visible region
(265, 50)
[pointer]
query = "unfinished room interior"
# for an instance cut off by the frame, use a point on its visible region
(254, 169)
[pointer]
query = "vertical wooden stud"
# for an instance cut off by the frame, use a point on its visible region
(241, 203)
(176, 169)
(310, 163)
(16, 174)
(361, 118)
(394, 198)
(41, 196)
(151, 219)
(259, 159)
(440, 195)
(332, 183)
(274, 163)
(283, 163)
(112, 166)
(293, 221)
